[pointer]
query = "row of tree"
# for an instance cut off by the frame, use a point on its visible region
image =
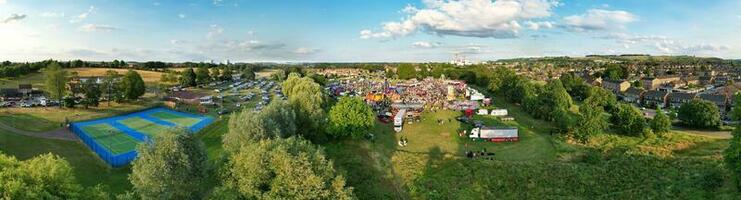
(114, 87)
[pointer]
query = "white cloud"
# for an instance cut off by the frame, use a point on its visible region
(217, 2)
(83, 16)
(664, 45)
(13, 17)
(537, 25)
(52, 14)
(305, 50)
(599, 19)
(182, 16)
(425, 45)
(468, 18)
(97, 27)
(3, 2)
(214, 31)
(177, 42)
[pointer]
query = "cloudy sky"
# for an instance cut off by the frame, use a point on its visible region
(363, 30)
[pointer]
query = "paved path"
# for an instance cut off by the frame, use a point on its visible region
(59, 134)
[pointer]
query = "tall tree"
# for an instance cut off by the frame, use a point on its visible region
(248, 73)
(307, 98)
(290, 168)
(110, 87)
(43, 177)
(591, 121)
(277, 120)
(661, 123)
(628, 120)
(188, 78)
(226, 74)
(91, 89)
(351, 117)
(202, 76)
(173, 166)
(55, 81)
(736, 110)
(554, 99)
(699, 114)
(406, 71)
(133, 85)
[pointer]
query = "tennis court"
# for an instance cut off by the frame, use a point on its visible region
(114, 139)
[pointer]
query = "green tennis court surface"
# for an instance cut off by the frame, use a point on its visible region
(143, 126)
(111, 138)
(179, 120)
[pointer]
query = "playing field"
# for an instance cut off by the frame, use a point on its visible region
(114, 139)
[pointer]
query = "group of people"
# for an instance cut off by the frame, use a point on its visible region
(403, 142)
(476, 154)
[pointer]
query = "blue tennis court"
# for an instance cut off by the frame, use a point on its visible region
(114, 139)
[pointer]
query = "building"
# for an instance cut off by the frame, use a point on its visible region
(654, 82)
(25, 89)
(720, 100)
(633, 95)
(676, 99)
(655, 98)
(617, 87)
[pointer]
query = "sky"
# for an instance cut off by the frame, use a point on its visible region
(363, 30)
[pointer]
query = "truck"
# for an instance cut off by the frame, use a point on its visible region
(495, 134)
(399, 119)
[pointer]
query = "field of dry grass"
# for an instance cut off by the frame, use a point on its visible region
(148, 76)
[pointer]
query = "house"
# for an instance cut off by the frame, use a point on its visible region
(707, 80)
(720, 100)
(655, 98)
(633, 95)
(616, 86)
(676, 99)
(495, 134)
(654, 82)
(10, 94)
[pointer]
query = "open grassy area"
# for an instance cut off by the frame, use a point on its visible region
(88, 168)
(41, 119)
(147, 76)
(111, 138)
(35, 79)
(143, 126)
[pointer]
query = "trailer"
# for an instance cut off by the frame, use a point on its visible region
(499, 112)
(399, 120)
(495, 134)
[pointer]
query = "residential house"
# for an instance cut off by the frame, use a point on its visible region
(691, 80)
(720, 100)
(616, 86)
(707, 80)
(654, 82)
(633, 95)
(654, 98)
(676, 99)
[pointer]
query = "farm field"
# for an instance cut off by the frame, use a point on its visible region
(147, 76)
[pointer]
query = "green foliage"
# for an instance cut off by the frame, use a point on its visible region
(590, 122)
(68, 101)
(499, 77)
(226, 74)
(215, 74)
(554, 99)
(277, 120)
(280, 75)
(92, 93)
(350, 117)
(202, 76)
(661, 123)
(43, 177)
(406, 71)
(699, 114)
(628, 120)
(55, 81)
(248, 73)
(174, 166)
(732, 156)
(133, 85)
(615, 72)
(188, 78)
(736, 110)
(290, 168)
(601, 97)
(307, 99)
(110, 87)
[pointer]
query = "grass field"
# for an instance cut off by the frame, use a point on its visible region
(179, 120)
(144, 126)
(111, 138)
(41, 119)
(147, 76)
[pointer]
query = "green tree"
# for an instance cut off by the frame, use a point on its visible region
(736, 110)
(601, 97)
(188, 78)
(699, 114)
(91, 89)
(173, 166)
(109, 86)
(55, 81)
(554, 99)
(248, 73)
(133, 85)
(661, 123)
(406, 71)
(307, 98)
(43, 177)
(277, 120)
(226, 74)
(202, 76)
(628, 120)
(351, 117)
(732, 156)
(215, 74)
(591, 121)
(290, 168)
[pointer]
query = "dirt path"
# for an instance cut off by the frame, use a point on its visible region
(59, 134)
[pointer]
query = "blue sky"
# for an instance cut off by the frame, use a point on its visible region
(357, 30)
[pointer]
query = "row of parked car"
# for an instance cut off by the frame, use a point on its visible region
(27, 103)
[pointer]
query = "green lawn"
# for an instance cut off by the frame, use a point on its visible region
(179, 120)
(89, 169)
(143, 126)
(41, 119)
(111, 138)
(29, 122)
